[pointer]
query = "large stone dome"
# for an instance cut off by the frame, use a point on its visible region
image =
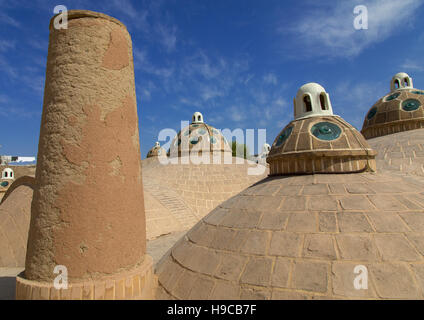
(301, 237)
(304, 237)
(400, 110)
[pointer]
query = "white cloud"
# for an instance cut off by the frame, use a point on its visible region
(167, 36)
(191, 102)
(210, 92)
(412, 65)
(270, 78)
(200, 64)
(35, 82)
(248, 78)
(8, 110)
(154, 24)
(145, 90)
(124, 6)
(328, 30)
(281, 102)
(353, 100)
(6, 45)
(142, 62)
(6, 67)
(237, 114)
(6, 19)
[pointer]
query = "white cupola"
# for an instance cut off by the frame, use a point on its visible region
(8, 174)
(197, 118)
(266, 148)
(401, 81)
(312, 100)
(157, 144)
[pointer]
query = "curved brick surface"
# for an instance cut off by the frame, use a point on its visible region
(166, 211)
(391, 118)
(302, 152)
(400, 152)
(15, 213)
(301, 237)
(23, 180)
(200, 188)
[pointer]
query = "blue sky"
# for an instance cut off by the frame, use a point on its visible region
(239, 62)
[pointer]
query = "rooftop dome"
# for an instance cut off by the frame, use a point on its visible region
(304, 237)
(199, 137)
(156, 151)
(15, 214)
(319, 142)
(401, 152)
(400, 110)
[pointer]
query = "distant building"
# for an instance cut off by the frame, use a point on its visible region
(4, 160)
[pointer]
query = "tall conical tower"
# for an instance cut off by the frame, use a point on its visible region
(87, 213)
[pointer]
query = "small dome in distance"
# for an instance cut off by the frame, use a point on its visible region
(400, 110)
(156, 151)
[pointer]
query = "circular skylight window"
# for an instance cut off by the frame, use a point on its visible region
(410, 105)
(393, 96)
(372, 113)
(194, 140)
(418, 92)
(284, 136)
(326, 131)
